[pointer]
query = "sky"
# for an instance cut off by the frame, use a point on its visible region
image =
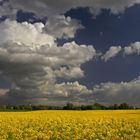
(84, 52)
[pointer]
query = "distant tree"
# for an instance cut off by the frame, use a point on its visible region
(69, 106)
(98, 106)
(83, 107)
(124, 106)
(3, 107)
(115, 106)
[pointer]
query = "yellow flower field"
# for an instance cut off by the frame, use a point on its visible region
(70, 125)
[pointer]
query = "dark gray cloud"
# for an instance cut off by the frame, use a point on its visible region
(49, 8)
(32, 61)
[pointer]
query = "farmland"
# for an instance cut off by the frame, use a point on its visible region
(70, 125)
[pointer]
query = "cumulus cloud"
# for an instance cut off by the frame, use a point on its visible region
(110, 93)
(132, 49)
(30, 59)
(69, 73)
(62, 27)
(3, 91)
(58, 26)
(70, 90)
(112, 52)
(24, 33)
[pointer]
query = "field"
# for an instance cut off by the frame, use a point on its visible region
(70, 125)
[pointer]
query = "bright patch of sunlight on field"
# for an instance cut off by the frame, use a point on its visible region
(70, 125)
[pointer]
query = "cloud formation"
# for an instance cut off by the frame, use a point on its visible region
(132, 49)
(6, 9)
(36, 66)
(112, 52)
(3, 91)
(110, 93)
(49, 8)
(24, 33)
(31, 59)
(62, 27)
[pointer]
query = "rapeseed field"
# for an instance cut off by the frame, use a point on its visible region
(70, 125)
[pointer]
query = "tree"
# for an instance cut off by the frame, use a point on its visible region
(124, 106)
(69, 106)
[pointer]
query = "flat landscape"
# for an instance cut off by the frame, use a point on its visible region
(70, 125)
(69, 70)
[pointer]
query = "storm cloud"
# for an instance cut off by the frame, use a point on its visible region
(31, 60)
(47, 8)
(43, 61)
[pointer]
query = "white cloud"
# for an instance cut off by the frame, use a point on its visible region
(62, 27)
(30, 59)
(132, 48)
(112, 52)
(38, 33)
(70, 87)
(24, 33)
(68, 73)
(111, 93)
(68, 90)
(3, 91)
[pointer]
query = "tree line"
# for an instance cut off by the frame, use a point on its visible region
(68, 106)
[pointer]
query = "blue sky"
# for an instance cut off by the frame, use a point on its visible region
(85, 52)
(110, 30)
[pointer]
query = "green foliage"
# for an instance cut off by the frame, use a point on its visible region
(68, 106)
